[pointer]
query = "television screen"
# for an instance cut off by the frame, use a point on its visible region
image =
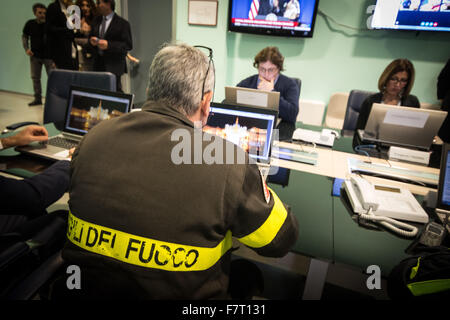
(289, 18)
(428, 15)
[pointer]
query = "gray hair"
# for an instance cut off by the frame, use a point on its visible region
(176, 77)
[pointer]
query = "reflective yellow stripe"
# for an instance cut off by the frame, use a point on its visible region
(269, 229)
(430, 286)
(142, 251)
(415, 269)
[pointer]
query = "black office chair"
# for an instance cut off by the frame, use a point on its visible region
(30, 258)
(58, 89)
(355, 100)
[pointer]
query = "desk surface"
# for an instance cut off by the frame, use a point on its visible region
(326, 229)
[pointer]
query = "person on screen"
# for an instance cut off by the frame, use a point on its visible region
(394, 85)
(292, 10)
(271, 6)
(269, 63)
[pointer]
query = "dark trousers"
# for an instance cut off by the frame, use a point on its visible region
(99, 65)
(36, 71)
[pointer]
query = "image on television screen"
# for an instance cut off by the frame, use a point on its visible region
(428, 15)
(274, 17)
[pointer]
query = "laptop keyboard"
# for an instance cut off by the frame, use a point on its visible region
(62, 142)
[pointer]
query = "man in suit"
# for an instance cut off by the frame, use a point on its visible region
(111, 36)
(60, 39)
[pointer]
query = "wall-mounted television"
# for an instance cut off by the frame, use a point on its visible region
(287, 18)
(427, 15)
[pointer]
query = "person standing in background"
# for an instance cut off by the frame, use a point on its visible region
(60, 38)
(85, 52)
(111, 39)
(34, 43)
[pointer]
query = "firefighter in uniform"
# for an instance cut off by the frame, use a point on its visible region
(150, 218)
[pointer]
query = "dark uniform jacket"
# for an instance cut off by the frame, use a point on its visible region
(146, 225)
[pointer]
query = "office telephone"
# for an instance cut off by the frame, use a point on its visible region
(384, 204)
(325, 137)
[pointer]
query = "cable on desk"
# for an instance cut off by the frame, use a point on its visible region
(365, 146)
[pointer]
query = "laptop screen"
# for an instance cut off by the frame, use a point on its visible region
(249, 128)
(88, 107)
(444, 179)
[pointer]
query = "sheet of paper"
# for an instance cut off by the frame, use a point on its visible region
(260, 99)
(63, 154)
(406, 118)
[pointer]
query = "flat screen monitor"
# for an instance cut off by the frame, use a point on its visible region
(427, 15)
(250, 128)
(443, 202)
(288, 18)
(87, 107)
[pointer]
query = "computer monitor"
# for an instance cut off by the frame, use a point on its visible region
(87, 107)
(248, 127)
(402, 126)
(443, 199)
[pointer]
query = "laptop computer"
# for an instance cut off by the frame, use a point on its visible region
(443, 196)
(402, 126)
(252, 97)
(86, 108)
(250, 128)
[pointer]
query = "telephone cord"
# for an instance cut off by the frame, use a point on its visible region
(407, 231)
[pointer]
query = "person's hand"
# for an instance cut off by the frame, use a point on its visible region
(93, 41)
(71, 151)
(29, 52)
(103, 44)
(27, 135)
(265, 84)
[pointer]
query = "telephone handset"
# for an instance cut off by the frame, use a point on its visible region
(366, 192)
(384, 204)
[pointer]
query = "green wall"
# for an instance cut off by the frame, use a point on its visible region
(14, 63)
(335, 59)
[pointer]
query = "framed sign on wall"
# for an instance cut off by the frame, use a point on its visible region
(202, 12)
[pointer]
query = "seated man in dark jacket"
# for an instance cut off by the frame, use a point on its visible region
(269, 62)
(22, 200)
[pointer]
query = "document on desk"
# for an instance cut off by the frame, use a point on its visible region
(384, 170)
(295, 155)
